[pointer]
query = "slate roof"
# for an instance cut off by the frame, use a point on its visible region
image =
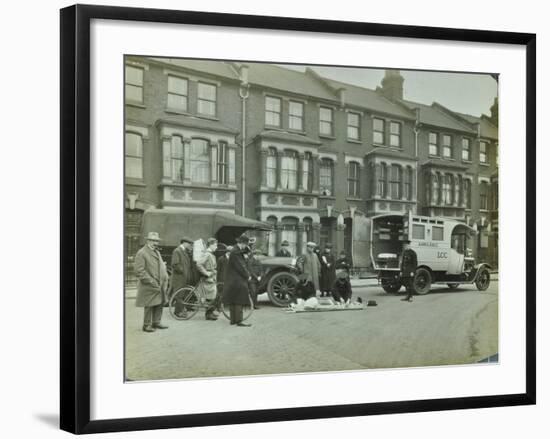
(370, 99)
(217, 68)
(429, 115)
(280, 78)
(488, 129)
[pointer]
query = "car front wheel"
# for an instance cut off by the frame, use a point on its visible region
(281, 288)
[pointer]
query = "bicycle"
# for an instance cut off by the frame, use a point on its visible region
(187, 302)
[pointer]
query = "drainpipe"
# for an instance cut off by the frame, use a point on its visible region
(243, 93)
(416, 130)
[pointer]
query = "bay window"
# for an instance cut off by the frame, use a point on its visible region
(289, 171)
(326, 177)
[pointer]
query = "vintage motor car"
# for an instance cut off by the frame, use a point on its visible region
(279, 275)
(442, 250)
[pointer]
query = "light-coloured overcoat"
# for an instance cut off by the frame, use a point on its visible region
(152, 277)
(309, 265)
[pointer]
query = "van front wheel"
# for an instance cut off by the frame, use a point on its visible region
(422, 281)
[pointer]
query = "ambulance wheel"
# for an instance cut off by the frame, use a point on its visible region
(483, 279)
(422, 281)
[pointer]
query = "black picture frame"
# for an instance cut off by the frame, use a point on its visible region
(75, 217)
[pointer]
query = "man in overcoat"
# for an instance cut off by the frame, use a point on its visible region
(256, 270)
(152, 283)
(183, 271)
(309, 264)
(409, 262)
(237, 276)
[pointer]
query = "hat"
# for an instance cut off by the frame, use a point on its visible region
(285, 243)
(243, 239)
(186, 239)
(342, 274)
(311, 244)
(153, 236)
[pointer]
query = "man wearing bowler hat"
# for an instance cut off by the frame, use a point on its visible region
(152, 283)
(237, 277)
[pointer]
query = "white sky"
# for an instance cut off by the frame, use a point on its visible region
(463, 92)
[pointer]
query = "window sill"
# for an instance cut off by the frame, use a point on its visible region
(300, 132)
(327, 136)
(484, 164)
(469, 162)
(213, 186)
(135, 104)
(174, 111)
(273, 127)
(207, 116)
(327, 197)
(358, 141)
(353, 199)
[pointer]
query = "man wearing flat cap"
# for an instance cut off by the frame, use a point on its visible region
(183, 270)
(309, 265)
(237, 277)
(152, 283)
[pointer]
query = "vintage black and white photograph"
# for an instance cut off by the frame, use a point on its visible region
(284, 218)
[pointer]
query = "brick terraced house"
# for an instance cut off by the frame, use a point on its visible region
(312, 156)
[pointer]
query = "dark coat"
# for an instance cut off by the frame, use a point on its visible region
(221, 266)
(182, 269)
(328, 271)
(235, 288)
(152, 278)
(304, 291)
(341, 290)
(255, 268)
(284, 252)
(409, 263)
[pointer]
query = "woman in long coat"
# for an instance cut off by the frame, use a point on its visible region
(328, 271)
(235, 288)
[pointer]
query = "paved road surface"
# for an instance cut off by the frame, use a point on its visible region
(440, 328)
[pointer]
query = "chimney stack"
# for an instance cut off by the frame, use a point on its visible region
(392, 85)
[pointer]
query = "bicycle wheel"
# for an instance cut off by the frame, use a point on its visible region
(247, 310)
(184, 304)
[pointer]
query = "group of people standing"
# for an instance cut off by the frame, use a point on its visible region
(231, 279)
(322, 274)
